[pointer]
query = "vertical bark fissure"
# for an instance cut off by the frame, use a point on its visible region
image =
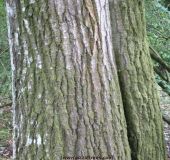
(68, 98)
(136, 80)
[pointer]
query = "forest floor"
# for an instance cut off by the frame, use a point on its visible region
(5, 132)
(167, 138)
(165, 107)
(6, 128)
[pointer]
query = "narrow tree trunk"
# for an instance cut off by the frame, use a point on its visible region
(135, 72)
(66, 96)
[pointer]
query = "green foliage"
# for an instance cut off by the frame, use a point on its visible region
(158, 28)
(5, 80)
(5, 73)
(2, 25)
(165, 3)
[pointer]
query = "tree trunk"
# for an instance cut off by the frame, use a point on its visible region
(66, 95)
(135, 70)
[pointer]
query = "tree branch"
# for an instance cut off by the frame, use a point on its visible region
(161, 74)
(157, 58)
(166, 118)
(161, 35)
(164, 88)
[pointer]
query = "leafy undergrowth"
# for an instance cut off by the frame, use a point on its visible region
(5, 132)
(5, 86)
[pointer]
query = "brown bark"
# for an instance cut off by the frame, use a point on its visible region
(67, 100)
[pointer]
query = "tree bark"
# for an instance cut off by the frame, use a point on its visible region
(136, 78)
(166, 118)
(66, 95)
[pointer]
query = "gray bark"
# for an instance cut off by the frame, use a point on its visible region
(66, 99)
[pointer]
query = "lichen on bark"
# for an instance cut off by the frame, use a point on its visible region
(68, 100)
(136, 79)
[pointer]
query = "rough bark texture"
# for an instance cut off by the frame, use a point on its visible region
(136, 78)
(66, 95)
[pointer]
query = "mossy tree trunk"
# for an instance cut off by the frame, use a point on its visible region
(135, 71)
(66, 95)
(67, 100)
